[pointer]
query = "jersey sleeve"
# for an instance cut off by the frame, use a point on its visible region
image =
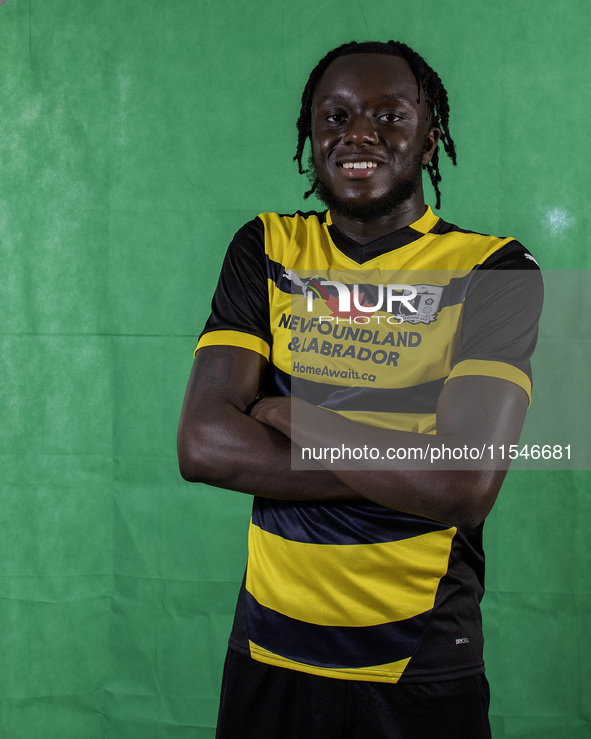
(500, 318)
(240, 306)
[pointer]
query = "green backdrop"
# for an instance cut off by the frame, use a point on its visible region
(135, 138)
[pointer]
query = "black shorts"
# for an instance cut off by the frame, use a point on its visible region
(260, 701)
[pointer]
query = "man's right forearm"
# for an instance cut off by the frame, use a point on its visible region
(236, 452)
(221, 445)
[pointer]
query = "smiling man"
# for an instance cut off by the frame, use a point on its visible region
(372, 173)
(359, 612)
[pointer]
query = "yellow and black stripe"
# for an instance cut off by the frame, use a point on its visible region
(341, 590)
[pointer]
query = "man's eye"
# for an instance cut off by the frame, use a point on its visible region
(335, 117)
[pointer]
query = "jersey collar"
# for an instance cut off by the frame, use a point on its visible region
(361, 253)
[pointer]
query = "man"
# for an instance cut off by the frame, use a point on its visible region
(359, 612)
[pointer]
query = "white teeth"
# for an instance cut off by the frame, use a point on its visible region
(359, 165)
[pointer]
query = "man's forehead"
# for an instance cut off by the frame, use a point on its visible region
(336, 97)
(389, 75)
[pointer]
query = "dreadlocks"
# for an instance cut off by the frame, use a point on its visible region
(427, 80)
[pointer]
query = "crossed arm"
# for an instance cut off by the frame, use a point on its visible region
(229, 439)
(220, 443)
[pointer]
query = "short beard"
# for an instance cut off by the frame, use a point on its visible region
(399, 194)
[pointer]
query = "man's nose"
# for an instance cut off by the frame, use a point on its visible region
(361, 130)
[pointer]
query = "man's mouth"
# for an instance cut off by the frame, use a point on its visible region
(359, 165)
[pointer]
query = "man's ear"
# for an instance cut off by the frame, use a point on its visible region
(431, 141)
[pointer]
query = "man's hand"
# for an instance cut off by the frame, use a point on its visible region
(274, 411)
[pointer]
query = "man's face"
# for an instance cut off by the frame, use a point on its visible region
(370, 137)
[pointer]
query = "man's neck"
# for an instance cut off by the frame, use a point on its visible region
(363, 232)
